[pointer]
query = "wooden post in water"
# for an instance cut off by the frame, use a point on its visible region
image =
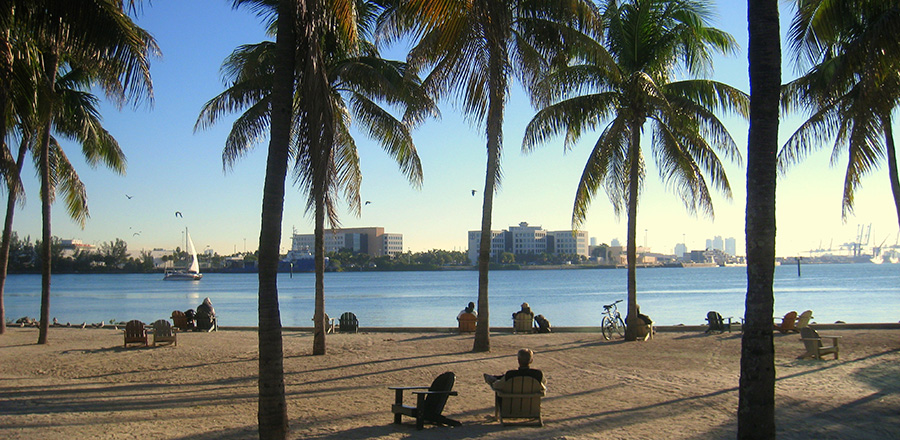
(798, 265)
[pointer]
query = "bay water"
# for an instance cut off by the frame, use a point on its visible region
(852, 293)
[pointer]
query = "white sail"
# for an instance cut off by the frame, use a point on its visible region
(195, 264)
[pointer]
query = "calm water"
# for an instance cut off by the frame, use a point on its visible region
(846, 292)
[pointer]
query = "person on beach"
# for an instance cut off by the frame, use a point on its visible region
(525, 357)
(205, 315)
(542, 323)
(469, 309)
(526, 309)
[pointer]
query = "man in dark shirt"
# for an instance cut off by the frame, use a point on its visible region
(525, 357)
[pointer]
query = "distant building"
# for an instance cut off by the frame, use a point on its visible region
(680, 250)
(524, 239)
(731, 246)
(373, 241)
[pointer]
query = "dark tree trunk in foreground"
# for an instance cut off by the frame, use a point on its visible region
(272, 409)
(756, 404)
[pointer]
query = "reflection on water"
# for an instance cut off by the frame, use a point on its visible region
(850, 293)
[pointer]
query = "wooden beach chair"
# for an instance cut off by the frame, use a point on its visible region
(803, 319)
(467, 322)
(430, 402)
(327, 322)
(348, 323)
(523, 323)
(788, 323)
(815, 347)
(519, 398)
(180, 321)
(163, 334)
(135, 333)
(717, 322)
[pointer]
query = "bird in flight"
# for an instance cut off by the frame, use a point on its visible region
(473, 192)
(129, 197)
(368, 202)
(178, 214)
(135, 234)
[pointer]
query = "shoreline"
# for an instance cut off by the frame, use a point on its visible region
(678, 385)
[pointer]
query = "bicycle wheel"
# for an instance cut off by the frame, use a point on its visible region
(620, 326)
(607, 327)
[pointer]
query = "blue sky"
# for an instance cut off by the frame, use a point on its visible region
(171, 168)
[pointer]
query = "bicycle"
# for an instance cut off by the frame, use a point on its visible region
(612, 323)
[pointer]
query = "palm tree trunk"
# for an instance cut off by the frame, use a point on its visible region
(634, 170)
(319, 315)
(756, 401)
(497, 85)
(272, 407)
(892, 163)
(7, 232)
(51, 62)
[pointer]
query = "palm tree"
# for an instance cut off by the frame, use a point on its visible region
(473, 48)
(96, 35)
(756, 401)
(628, 83)
(359, 79)
(852, 89)
(77, 118)
(100, 36)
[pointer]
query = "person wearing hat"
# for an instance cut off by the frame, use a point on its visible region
(525, 309)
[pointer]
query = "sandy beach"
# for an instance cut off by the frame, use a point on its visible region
(679, 385)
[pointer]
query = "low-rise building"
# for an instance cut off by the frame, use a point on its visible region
(525, 239)
(371, 240)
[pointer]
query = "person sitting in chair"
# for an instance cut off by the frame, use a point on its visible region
(542, 323)
(644, 325)
(525, 357)
(206, 315)
(526, 310)
(469, 309)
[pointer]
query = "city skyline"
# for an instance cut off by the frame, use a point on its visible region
(172, 169)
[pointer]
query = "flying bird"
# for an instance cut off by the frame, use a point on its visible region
(129, 197)
(135, 234)
(473, 192)
(368, 202)
(178, 214)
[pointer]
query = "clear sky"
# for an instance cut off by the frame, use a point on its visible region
(171, 168)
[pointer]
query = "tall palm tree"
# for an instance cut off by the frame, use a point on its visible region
(756, 398)
(851, 89)
(628, 83)
(359, 80)
(474, 48)
(96, 35)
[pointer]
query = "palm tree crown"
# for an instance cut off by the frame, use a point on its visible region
(627, 82)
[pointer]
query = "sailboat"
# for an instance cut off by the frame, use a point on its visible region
(192, 273)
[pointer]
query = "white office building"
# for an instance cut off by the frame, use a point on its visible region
(372, 241)
(525, 239)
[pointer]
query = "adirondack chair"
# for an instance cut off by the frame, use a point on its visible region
(163, 334)
(717, 322)
(328, 322)
(135, 332)
(803, 319)
(348, 323)
(467, 322)
(519, 398)
(180, 321)
(523, 323)
(788, 323)
(815, 347)
(430, 402)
